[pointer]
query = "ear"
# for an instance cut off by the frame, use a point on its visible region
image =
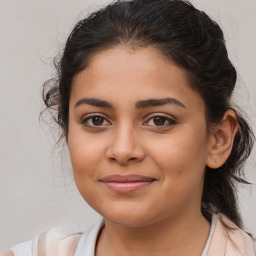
(221, 140)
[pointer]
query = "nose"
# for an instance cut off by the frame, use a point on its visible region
(125, 147)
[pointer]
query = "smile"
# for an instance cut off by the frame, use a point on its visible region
(127, 183)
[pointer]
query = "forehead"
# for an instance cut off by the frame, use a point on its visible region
(133, 74)
(130, 62)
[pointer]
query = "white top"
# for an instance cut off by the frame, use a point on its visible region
(213, 224)
(87, 242)
(85, 245)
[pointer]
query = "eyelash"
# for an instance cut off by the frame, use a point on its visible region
(171, 121)
(90, 117)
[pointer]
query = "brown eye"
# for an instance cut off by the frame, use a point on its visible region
(159, 120)
(97, 120)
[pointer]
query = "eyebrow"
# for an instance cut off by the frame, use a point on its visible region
(94, 102)
(158, 102)
(139, 105)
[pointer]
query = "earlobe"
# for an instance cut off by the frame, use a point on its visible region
(221, 140)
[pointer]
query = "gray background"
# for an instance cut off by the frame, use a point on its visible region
(36, 187)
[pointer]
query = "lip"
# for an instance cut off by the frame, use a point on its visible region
(127, 183)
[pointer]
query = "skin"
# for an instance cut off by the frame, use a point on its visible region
(7, 253)
(129, 140)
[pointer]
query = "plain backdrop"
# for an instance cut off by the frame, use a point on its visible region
(36, 187)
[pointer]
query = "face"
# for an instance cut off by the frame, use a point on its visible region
(137, 137)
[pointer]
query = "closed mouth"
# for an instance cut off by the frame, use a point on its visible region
(127, 183)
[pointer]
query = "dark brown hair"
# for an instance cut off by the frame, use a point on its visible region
(186, 36)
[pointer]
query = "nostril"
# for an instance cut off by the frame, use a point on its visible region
(112, 159)
(132, 159)
(123, 161)
(124, 155)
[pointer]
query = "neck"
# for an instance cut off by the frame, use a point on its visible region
(166, 237)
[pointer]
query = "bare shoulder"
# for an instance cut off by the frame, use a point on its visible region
(7, 253)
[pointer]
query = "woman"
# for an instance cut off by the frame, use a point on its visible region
(143, 100)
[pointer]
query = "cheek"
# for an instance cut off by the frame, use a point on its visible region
(85, 153)
(181, 157)
(182, 172)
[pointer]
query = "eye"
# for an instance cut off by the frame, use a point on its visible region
(95, 120)
(160, 121)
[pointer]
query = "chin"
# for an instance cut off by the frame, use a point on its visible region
(129, 218)
(129, 221)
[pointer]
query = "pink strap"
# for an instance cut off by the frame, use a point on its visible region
(55, 243)
(230, 242)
